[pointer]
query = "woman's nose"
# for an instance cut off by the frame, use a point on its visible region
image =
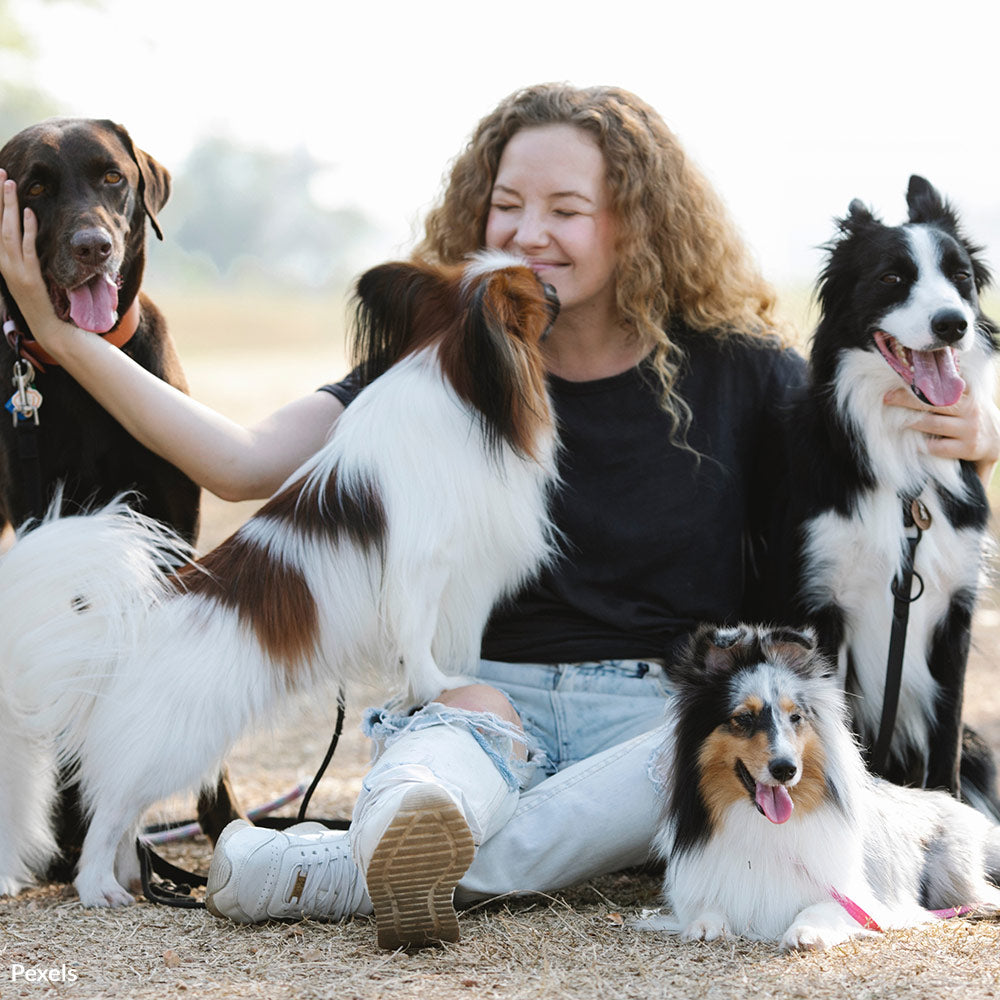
(531, 231)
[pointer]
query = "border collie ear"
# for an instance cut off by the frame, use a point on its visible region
(926, 204)
(858, 215)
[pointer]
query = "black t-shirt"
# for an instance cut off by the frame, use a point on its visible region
(658, 537)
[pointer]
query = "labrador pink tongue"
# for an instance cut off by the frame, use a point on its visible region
(774, 802)
(93, 306)
(936, 376)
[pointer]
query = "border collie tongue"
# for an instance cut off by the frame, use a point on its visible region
(936, 378)
(93, 305)
(774, 802)
(932, 375)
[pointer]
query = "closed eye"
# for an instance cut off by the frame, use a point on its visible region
(744, 721)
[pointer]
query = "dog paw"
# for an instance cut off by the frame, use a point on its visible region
(706, 927)
(101, 892)
(10, 886)
(809, 937)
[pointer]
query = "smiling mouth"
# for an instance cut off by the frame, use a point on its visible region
(932, 376)
(772, 801)
(92, 305)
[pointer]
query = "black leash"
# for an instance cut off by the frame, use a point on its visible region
(175, 885)
(915, 516)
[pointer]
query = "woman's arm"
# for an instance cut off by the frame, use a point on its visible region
(232, 461)
(969, 430)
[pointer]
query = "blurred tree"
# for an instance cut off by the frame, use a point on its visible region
(20, 103)
(253, 211)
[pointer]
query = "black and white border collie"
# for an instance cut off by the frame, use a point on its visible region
(378, 563)
(900, 307)
(773, 829)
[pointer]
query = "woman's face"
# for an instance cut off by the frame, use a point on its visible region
(551, 205)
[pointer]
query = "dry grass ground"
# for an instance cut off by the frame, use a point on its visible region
(247, 358)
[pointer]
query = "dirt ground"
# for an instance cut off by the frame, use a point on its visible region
(576, 944)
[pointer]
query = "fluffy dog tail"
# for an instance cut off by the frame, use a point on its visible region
(74, 594)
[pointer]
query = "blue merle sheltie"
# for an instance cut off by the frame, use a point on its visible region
(900, 307)
(773, 829)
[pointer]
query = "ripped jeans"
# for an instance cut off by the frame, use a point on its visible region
(584, 803)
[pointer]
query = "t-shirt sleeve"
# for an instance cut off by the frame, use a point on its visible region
(346, 389)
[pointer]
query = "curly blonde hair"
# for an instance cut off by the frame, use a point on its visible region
(679, 254)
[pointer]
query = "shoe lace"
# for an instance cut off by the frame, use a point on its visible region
(329, 884)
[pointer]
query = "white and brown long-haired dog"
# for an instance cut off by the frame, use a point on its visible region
(773, 829)
(378, 562)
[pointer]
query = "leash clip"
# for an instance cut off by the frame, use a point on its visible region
(24, 404)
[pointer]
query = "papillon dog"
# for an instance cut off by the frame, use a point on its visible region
(773, 829)
(377, 564)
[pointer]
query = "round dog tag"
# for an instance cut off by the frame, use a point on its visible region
(920, 514)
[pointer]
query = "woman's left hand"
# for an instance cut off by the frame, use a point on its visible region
(969, 430)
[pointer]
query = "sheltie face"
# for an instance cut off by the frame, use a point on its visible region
(746, 720)
(766, 750)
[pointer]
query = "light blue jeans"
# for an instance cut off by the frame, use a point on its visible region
(590, 806)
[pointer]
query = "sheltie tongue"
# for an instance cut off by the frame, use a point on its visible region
(774, 802)
(93, 305)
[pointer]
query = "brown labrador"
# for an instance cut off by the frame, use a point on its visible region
(92, 191)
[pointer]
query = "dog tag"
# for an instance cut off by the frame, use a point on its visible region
(24, 404)
(920, 514)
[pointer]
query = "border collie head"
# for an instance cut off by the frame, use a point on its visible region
(750, 707)
(908, 293)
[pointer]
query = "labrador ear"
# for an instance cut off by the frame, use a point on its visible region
(154, 178)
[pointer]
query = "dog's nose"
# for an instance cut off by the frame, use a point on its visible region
(91, 246)
(949, 325)
(782, 769)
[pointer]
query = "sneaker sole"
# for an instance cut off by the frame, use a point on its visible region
(412, 875)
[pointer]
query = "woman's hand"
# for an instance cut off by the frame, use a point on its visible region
(969, 430)
(22, 271)
(19, 262)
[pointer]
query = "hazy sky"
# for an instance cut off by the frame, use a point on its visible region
(793, 108)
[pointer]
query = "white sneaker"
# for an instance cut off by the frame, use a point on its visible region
(259, 874)
(416, 864)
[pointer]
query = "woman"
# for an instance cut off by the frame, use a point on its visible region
(669, 383)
